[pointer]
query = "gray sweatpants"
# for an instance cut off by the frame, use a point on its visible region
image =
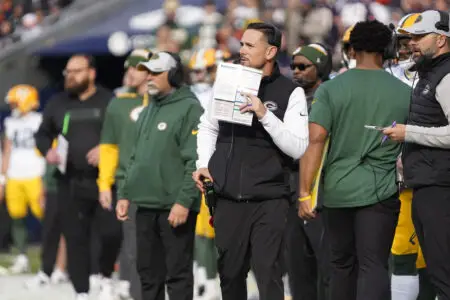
(128, 269)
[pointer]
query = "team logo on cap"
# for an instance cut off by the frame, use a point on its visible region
(162, 126)
(270, 105)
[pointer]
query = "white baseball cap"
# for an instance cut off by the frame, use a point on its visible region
(424, 23)
(159, 62)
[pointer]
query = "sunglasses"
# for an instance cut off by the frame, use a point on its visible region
(155, 73)
(301, 67)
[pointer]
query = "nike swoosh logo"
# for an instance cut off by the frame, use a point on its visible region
(194, 132)
(303, 115)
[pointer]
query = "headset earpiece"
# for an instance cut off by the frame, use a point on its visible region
(391, 51)
(443, 23)
(176, 75)
(326, 65)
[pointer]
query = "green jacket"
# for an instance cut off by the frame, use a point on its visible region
(159, 171)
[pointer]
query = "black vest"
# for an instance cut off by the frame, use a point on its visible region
(422, 165)
(247, 165)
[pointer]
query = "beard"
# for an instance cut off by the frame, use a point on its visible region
(77, 89)
(305, 83)
(152, 90)
(424, 61)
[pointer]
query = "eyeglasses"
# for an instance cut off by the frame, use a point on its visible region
(301, 67)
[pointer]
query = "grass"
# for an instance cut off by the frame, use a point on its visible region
(34, 255)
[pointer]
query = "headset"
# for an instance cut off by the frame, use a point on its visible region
(444, 22)
(176, 74)
(391, 51)
(325, 67)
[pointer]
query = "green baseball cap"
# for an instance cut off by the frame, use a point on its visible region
(136, 57)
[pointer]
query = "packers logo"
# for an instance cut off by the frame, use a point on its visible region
(162, 126)
(270, 105)
(134, 114)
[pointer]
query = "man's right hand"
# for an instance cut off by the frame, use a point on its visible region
(105, 199)
(52, 157)
(198, 177)
(122, 209)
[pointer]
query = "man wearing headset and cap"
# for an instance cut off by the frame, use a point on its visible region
(115, 146)
(409, 279)
(426, 154)
(306, 255)
(158, 181)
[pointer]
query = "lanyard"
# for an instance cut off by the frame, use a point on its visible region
(66, 121)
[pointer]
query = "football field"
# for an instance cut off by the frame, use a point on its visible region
(12, 287)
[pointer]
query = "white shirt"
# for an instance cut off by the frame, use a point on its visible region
(290, 134)
(204, 93)
(401, 72)
(24, 162)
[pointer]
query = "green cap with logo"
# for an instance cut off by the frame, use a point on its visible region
(137, 56)
(315, 53)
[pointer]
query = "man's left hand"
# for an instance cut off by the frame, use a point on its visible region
(93, 156)
(254, 104)
(396, 133)
(178, 215)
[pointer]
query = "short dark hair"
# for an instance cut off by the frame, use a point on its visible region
(370, 36)
(92, 64)
(271, 32)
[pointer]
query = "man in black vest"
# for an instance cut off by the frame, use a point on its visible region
(426, 154)
(250, 170)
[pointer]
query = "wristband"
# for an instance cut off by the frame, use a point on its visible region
(306, 198)
(2, 179)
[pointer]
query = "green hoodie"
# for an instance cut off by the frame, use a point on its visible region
(159, 171)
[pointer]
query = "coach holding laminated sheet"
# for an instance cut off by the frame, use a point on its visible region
(250, 170)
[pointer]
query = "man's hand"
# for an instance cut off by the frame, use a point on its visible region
(178, 215)
(254, 105)
(305, 209)
(199, 175)
(105, 199)
(122, 209)
(93, 156)
(52, 157)
(396, 133)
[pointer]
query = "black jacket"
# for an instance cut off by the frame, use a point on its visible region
(247, 165)
(84, 121)
(422, 165)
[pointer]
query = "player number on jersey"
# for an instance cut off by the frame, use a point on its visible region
(23, 139)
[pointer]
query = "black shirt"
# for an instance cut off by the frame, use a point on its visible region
(80, 122)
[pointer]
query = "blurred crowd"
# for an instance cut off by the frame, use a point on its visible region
(21, 19)
(301, 21)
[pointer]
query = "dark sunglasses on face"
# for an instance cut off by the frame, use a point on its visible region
(301, 67)
(155, 73)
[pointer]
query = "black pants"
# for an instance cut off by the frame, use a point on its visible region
(307, 257)
(431, 217)
(165, 255)
(128, 269)
(360, 240)
(51, 233)
(80, 211)
(250, 234)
